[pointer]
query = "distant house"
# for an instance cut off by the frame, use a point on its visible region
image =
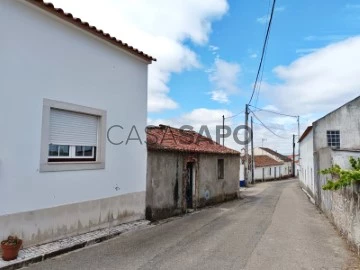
(267, 168)
(187, 170)
(64, 84)
(283, 171)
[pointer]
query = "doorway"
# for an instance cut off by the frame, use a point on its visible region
(189, 184)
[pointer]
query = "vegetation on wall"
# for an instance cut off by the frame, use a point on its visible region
(341, 177)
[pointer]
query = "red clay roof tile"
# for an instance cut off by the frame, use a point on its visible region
(166, 138)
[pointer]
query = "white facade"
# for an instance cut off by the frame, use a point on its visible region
(43, 57)
(306, 174)
(268, 172)
(285, 168)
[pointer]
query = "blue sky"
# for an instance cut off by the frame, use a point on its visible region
(299, 27)
(208, 53)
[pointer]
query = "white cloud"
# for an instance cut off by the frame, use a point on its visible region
(319, 82)
(325, 38)
(224, 77)
(254, 55)
(306, 50)
(160, 32)
(265, 19)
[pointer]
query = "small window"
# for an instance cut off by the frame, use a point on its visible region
(73, 137)
(269, 171)
(220, 168)
(333, 138)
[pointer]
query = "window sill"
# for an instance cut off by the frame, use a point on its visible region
(71, 166)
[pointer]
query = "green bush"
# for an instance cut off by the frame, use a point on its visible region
(342, 178)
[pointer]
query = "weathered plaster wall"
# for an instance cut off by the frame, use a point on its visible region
(342, 206)
(212, 189)
(165, 193)
(50, 224)
(164, 184)
(346, 119)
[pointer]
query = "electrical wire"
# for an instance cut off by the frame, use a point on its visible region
(263, 50)
(232, 116)
(267, 127)
(263, 66)
(265, 110)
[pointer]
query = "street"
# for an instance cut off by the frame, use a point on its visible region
(273, 227)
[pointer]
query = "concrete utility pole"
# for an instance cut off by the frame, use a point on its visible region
(298, 121)
(293, 163)
(252, 153)
(246, 165)
(223, 130)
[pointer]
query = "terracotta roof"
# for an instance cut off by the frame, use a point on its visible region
(49, 7)
(264, 160)
(306, 132)
(276, 154)
(166, 138)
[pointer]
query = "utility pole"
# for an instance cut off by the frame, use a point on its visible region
(298, 122)
(246, 144)
(223, 130)
(252, 153)
(293, 163)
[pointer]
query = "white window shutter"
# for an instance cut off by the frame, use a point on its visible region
(72, 128)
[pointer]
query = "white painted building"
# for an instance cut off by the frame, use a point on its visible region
(332, 140)
(63, 86)
(306, 167)
(267, 168)
(285, 170)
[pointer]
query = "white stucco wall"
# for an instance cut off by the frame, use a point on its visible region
(43, 57)
(346, 120)
(285, 167)
(307, 173)
(258, 172)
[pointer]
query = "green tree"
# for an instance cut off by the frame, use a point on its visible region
(340, 177)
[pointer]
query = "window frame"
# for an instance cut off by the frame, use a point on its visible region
(48, 166)
(331, 134)
(221, 173)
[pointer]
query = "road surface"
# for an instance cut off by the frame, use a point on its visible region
(273, 227)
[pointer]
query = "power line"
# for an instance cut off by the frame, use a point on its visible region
(263, 49)
(283, 114)
(263, 66)
(267, 127)
(232, 116)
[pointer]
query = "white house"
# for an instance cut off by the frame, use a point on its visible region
(70, 95)
(285, 169)
(306, 174)
(332, 140)
(266, 168)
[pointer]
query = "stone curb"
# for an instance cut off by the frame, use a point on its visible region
(309, 196)
(71, 244)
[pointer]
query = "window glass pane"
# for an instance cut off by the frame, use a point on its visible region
(88, 151)
(79, 151)
(53, 150)
(64, 150)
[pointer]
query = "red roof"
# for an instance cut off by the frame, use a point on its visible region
(49, 7)
(166, 138)
(264, 160)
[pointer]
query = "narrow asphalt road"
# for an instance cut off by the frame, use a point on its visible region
(273, 227)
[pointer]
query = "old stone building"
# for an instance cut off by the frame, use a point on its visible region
(187, 170)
